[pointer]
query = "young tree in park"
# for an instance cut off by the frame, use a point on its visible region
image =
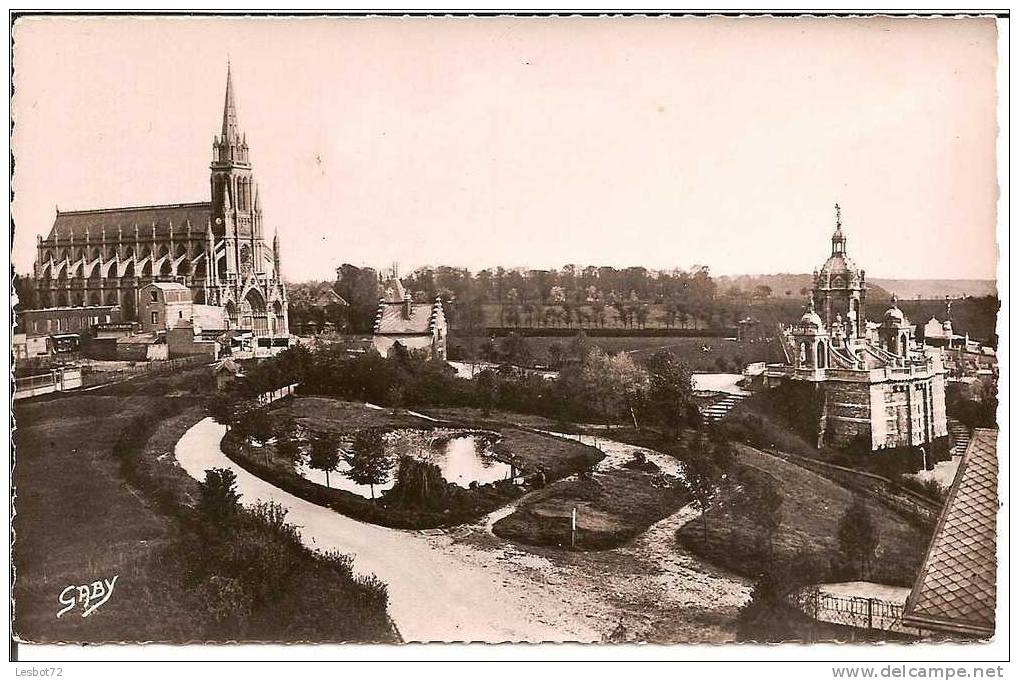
(395, 396)
(324, 454)
(615, 382)
(515, 350)
(706, 468)
(597, 377)
(486, 386)
(632, 382)
(218, 495)
(555, 354)
(669, 397)
(258, 425)
(579, 347)
(223, 408)
(759, 504)
(369, 464)
(858, 535)
(288, 449)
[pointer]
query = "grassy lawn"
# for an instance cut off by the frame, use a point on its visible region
(493, 417)
(77, 521)
(529, 452)
(723, 354)
(327, 414)
(99, 495)
(612, 508)
(812, 507)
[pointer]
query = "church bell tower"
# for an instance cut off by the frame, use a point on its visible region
(236, 210)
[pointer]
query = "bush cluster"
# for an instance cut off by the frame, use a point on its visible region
(247, 571)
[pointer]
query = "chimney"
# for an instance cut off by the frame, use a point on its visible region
(406, 305)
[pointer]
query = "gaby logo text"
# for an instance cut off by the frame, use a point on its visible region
(88, 596)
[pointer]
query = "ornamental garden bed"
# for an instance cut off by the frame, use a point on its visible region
(612, 509)
(512, 459)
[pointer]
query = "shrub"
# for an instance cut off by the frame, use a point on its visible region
(418, 484)
(246, 572)
(218, 498)
(858, 537)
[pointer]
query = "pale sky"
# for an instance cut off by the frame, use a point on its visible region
(532, 142)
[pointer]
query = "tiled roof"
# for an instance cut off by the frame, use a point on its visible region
(208, 317)
(80, 222)
(228, 365)
(955, 592)
(393, 291)
(326, 296)
(390, 319)
(135, 338)
(167, 286)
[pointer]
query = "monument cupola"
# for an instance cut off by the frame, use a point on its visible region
(839, 286)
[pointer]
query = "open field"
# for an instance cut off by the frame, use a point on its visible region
(721, 354)
(78, 521)
(812, 507)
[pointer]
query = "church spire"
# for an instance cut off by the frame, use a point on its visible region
(230, 127)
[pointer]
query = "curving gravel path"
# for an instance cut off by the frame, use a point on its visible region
(466, 585)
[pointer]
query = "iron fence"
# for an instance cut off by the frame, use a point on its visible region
(873, 614)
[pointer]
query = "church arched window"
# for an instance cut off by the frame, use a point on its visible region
(245, 257)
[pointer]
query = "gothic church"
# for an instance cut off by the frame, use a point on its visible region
(217, 248)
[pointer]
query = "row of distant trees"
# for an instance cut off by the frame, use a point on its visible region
(591, 296)
(655, 391)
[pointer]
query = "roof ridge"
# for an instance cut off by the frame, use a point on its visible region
(95, 211)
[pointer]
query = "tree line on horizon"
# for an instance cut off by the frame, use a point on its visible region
(594, 297)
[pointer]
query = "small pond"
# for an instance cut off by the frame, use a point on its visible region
(462, 457)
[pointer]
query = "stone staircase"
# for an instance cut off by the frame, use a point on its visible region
(721, 405)
(959, 435)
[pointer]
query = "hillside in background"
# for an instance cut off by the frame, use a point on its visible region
(785, 285)
(938, 288)
(795, 286)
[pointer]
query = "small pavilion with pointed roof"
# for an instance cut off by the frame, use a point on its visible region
(416, 327)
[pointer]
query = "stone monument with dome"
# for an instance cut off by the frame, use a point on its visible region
(872, 385)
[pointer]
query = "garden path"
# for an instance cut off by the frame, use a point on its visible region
(467, 585)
